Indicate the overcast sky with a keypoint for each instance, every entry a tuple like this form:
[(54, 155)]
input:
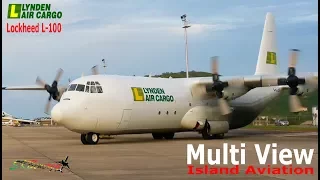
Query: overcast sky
[(142, 36)]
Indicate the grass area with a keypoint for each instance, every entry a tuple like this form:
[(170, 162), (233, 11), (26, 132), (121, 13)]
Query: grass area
[(291, 128), (279, 107), (182, 74)]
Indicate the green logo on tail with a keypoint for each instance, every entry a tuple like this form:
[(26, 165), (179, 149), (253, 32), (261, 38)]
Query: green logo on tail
[(271, 58)]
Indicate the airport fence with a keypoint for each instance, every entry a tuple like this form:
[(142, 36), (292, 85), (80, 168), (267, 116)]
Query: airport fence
[(293, 120)]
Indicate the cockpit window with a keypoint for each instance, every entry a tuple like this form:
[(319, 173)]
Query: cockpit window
[(72, 87), (87, 89), (99, 89), (80, 87), (93, 89)]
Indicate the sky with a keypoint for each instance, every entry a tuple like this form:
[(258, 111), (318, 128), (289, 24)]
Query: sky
[(143, 37)]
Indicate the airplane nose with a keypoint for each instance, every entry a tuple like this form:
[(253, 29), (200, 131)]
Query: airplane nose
[(56, 114)]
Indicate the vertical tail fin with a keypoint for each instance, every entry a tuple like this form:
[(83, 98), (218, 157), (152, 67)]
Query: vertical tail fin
[(267, 60)]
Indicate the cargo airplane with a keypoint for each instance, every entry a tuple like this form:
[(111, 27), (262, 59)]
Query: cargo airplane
[(97, 105), (9, 120)]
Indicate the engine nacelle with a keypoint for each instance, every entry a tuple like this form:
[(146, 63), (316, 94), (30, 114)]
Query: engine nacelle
[(218, 127), (230, 92), (235, 89), (305, 89), (310, 85)]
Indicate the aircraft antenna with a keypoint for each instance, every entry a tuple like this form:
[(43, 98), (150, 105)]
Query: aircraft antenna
[(185, 26), (104, 66)]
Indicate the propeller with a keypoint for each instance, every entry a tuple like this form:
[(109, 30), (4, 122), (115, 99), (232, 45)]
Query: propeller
[(52, 90), (218, 87), (94, 70), (293, 81)]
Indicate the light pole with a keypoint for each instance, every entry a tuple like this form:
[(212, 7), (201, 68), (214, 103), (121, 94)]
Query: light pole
[(185, 26), (104, 66)]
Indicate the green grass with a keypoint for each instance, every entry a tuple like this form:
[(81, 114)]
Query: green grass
[(279, 107), (182, 74), (291, 128)]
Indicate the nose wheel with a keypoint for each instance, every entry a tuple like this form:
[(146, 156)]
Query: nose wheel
[(90, 138)]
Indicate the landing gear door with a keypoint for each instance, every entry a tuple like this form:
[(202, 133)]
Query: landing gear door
[(126, 116)]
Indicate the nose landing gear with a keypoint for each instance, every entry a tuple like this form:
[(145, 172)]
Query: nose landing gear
[(90, 138)]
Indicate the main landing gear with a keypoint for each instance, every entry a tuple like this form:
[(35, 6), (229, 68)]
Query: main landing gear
[(163, 135), (90, 138), (207, 135)]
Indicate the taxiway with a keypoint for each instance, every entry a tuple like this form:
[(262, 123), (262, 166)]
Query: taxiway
[(133, 156)]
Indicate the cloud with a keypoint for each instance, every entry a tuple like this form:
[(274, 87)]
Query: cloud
[(282, 11), (203, 28), (305, 18), (88, 29)]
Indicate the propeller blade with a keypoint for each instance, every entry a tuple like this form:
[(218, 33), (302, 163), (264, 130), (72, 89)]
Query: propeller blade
[(94, 70), (68, 166), (293, 81), (47, 108), (294, 104), (59, 74), (293, 58), (40, 82), (224, 107), (218, 86), (53, 90), (66, 158), (214, 64)]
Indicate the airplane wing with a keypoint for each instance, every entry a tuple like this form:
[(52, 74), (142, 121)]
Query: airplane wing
[(34, 87), (24, 120), (41, 85), (239, 86)]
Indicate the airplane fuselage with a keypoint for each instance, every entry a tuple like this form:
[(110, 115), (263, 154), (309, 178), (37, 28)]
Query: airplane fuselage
[(160, 105)]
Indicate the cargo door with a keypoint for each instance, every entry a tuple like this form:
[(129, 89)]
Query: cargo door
[(126, 116)]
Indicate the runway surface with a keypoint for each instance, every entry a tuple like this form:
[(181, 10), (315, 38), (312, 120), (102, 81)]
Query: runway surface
[(135, 156)]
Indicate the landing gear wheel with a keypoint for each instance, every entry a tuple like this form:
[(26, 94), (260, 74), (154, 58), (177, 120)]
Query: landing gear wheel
[(206, 132), (84, 139), (168, 135), (92, 138), (157, 136)]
